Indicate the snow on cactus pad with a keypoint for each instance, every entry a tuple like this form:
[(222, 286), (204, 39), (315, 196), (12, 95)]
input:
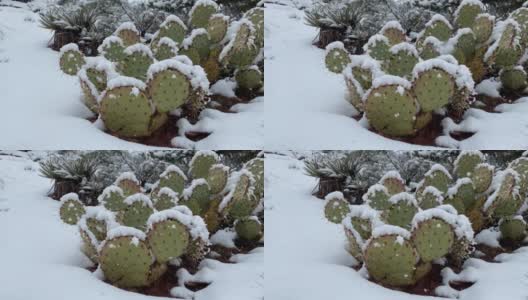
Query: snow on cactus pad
[(336, 207), (167, 236)]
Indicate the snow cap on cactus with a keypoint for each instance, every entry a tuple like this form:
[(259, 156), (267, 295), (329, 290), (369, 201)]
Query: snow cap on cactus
[(195, 224), (496, 184), (173, 19), (126, 176), (463, 79), (126, 26), (336, 57), (460, 223), (141, 198), (403, 197), (195, 74), (173, 169)]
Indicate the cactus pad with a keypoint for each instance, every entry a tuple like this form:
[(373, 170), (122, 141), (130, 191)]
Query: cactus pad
[(433, 239), (354, 244), (172, 28), (391, 110), (71, 59), (520, 165), (249, 229), (197, 197), (336, 208), (483, 27), (89, 245), (164, 198), (71, 210), (201, 13), (137, 214), (337, 58), (249, 78), (125, 261), (168, 239), (89, 95), (217, 27), (513, 229), (256, 16), (256, 167), (378, 47), (402, 61), (168, 89), (433, 89), (201, 162), (400, 214), (394, 33), (466, 14), (173, 178), (439, 28), (113, 49), (377, 197), (217, 178), (466, 162), (136, 62), (514, 78), (113, 198), (482, 176), (431, 197), (391, 260)]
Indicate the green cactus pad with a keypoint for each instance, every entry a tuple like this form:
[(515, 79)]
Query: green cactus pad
[(71, 59), (256, 16), (71, 209), (127, 112), (169, 89), (466, 14), (505, 200), (125, 261), (168, 239), (355, 243), (192, 54), (482, 176), (217, 178), (391, 260), (336, 207), (212, 217), (429, 50), (438, 177), (431, 197), (200, 42), (378, 47), (466, 44), (402, 60), (164, 198), (400, 214), (172, 28), (337, 58), (433, 239), (201, 162), (377, 197), (112, 49), (394, 33), (438, 27), (197, 196), (173, 178), (521, 16), (136, 62), (433, 89), (514, 78), (165, 49), (256, 167), (363, 75), (520, 165), (128, 183), (89, 245), (201, 12), (137, 212), (249, 229), (393, 182), (241, 201), (249, 78), (466, 162), (483, 27), (89, 95), (505, 52), (363, 226), (217, 27), (128, 36), (241, 50), (456, 202), (464, 191), (354, 89), (513, 229), (391, 110), (113, 198)]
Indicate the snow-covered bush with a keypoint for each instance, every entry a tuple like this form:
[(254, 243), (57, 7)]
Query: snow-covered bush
[(133, 235), (400, 85), (134, 86), (400, 231)]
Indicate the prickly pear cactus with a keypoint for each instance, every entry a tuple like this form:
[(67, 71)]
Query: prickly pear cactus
[(201, 12), (467, 12), (167, 237), (394, 32), (165, 49), (139, 208), (256, 167), (113, 198), (483, 27), (172, 28), (112, 48), (128, 183), (431, 197), (241, 202), (378, 47), (402, 210), (520, 166), (336, 207), (513, 229), (391, 260), (136, 61), (89, 245), (439, 28), (433, 89), (505, 200), (125, 258), (71, 59), (466, 162), (128, 33), (71, 209), (249, 229), (377, 197), (164, 198), (433, 238), (201, 162), (391, 109), (217, 178), (173, 178), (337, 57), (196, 197), (217, 27), (393, 182), (463, 191), (256, 16), (168, 87), (402, 60), (355, 243), (438, 177), (482, 176), (249, 78), (514, 78)]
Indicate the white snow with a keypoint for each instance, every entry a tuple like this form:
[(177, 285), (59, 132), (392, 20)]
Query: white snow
[(393, 174), (34, 215), (187, 192), (126, 176), (125, 231), (437, 168), (70, 197), (167, 191), (392, 25), (142, 198), (124, 81), (224, 237), (489, 87), (403, 197), (337, 45), (390, 230), (173, 169), (69, 47), (460, 223), (110, 190), (126, 26), (195, 74), (404, 47), (173, 19), (460, 182), (471, 3), (224, 87), (489, 237)]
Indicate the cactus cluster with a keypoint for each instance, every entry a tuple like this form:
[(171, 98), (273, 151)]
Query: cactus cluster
[(134, 85), (399, 230), (133, 234), (400, 82)]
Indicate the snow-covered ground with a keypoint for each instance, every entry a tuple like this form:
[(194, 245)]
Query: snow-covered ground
[(306, 259), (43, 109), (40, 257), (306, 107)]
